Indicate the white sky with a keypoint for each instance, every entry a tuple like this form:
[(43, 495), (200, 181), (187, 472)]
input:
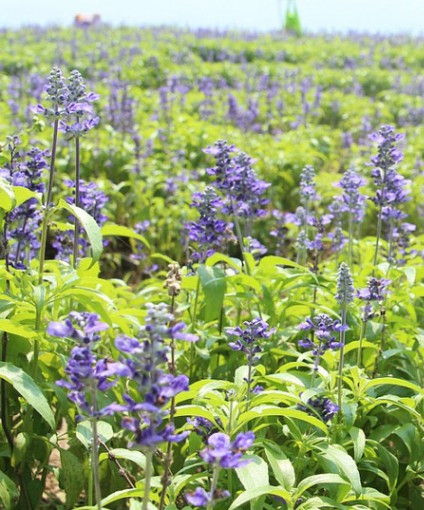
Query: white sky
[(364, 15)]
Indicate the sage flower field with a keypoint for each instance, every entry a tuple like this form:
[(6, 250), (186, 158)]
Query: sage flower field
[(211, 270)]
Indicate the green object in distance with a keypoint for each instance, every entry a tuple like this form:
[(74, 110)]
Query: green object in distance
[(292, 22)]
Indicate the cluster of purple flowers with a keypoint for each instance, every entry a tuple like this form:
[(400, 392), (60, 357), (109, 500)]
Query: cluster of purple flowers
[(235, 177), (221, 452), (242, 196), (92, 200), (24, 169), (209, 232), (86, 374), (69, 100), (247, 338), (121, 107), (325, 408), (391, 189), (141, 362), (352, 201), (376, 290), (307, 185), (322, 328), (345, 290)]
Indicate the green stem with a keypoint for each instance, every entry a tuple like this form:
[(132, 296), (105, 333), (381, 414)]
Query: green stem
[(379, 224), (193, 326), (36, 353), (240, 242), (361, 338), (147, 480), (341, 361), (47, 204), (214, 485), (168, 456), (316, 364), (4, 415), (95, 464), (77, 199), (350, 249)]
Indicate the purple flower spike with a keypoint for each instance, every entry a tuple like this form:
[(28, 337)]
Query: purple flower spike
[(61, 329), (199, 497), (220, 451)]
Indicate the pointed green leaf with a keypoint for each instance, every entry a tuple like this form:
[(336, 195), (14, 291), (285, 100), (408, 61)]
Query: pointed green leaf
[(121, 231), (85, 435), (90, 226), (9, 493), (13, 328), (281, 466), (122, 453), (395, 382), (310, 481), (344, 463), (25, 385), (266, 410), (258, 492), (23, 194), (7, 196), (71, 476), (254, 474), (213, 284)]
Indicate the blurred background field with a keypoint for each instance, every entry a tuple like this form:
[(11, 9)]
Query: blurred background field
[(385, 16)]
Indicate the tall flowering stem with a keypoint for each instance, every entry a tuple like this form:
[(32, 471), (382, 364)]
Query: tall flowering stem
[(86, 376), (322, 330), (344, 296), (79, 108), (47, 204), (389, 184), (173, 284), (58, 94), (307, 196), (247, 341), (141, 363), (353, 203), (375, 291)]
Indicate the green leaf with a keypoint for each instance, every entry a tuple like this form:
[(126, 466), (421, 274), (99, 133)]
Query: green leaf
[(254, 474), (22, 442), (213, 284), (123, 454), (264, 410), (121, 231), (90, 226), (281, 466), (71, 476), (195, 411), (25, 385), (394, 382), (9, 494), (219, 258), (410, 273), (344, 463), (14, 328), (117, 496), (246, 281), (23, 194), (358, 438), (7, 196), (85, 435), (310, 481), (274, 261), (258, 492)]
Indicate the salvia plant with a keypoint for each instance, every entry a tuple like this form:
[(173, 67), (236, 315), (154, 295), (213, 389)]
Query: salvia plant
[(211, 277)]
